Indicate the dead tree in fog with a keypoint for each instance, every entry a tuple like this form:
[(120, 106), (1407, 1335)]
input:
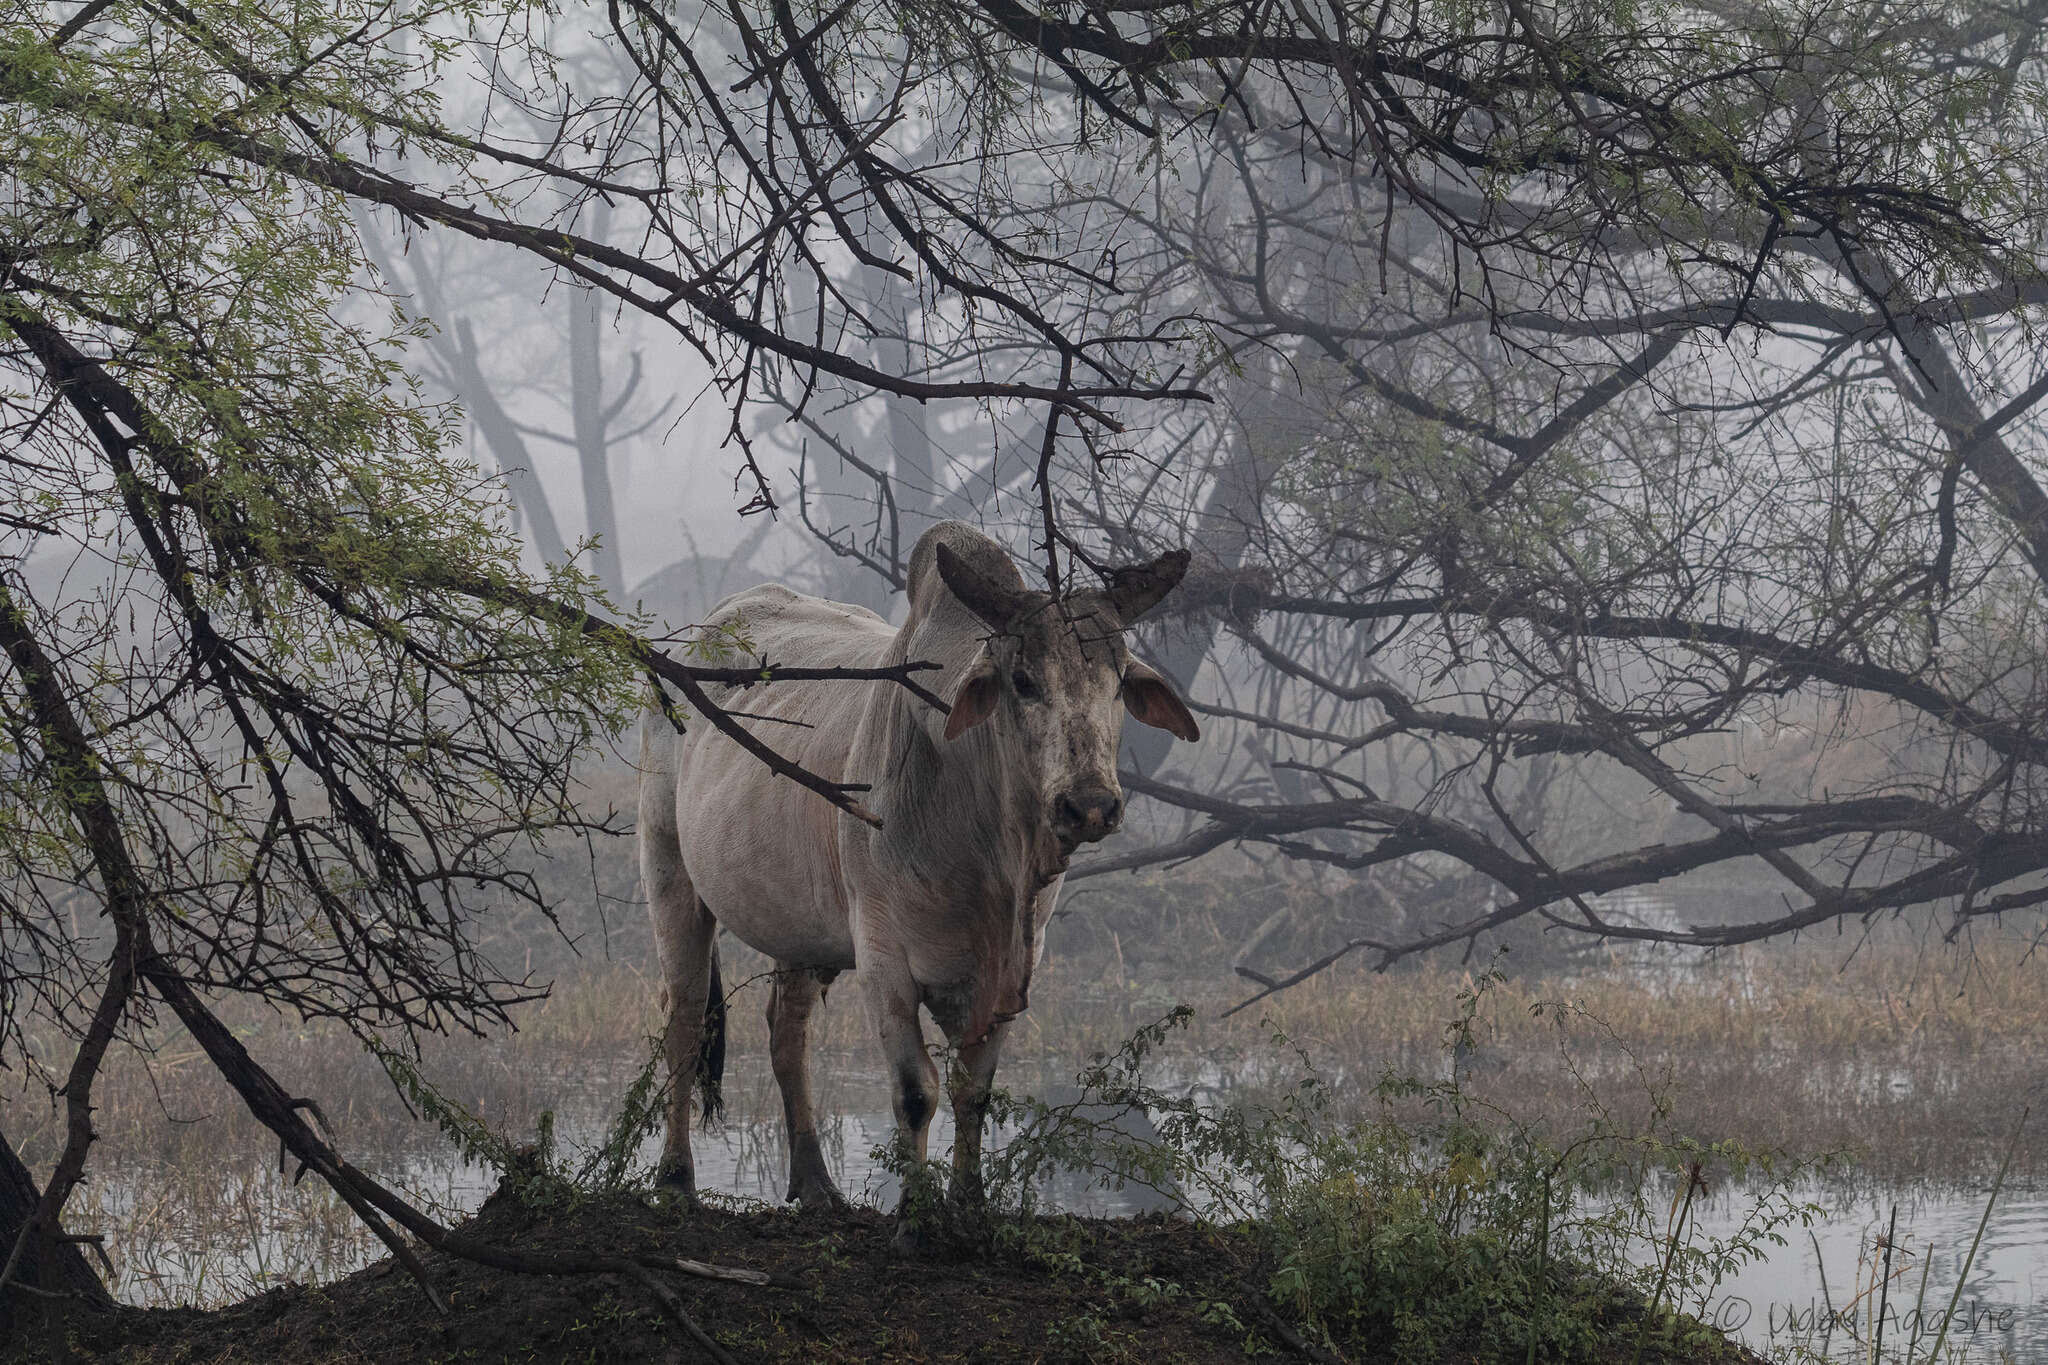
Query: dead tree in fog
[(1563, 600)]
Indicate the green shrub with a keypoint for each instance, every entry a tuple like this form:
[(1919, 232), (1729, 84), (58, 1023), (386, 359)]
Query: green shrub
[(1469, 1231)]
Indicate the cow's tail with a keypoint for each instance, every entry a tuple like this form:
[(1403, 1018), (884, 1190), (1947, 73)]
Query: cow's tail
[(711, 1044)]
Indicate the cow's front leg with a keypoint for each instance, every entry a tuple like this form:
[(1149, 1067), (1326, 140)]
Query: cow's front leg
[(892, 1000), (973, 1076), (795, 993)]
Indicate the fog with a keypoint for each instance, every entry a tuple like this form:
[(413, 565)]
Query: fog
[(1611, 461)]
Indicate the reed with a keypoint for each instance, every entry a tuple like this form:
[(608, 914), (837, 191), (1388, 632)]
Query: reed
[(1948, 1317)]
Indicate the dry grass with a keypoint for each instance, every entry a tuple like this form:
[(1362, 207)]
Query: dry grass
[(1915, 1060), (1903, 1003), (1919, 1061)]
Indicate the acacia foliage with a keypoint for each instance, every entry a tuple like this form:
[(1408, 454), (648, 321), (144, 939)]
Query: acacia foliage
[(230, 521)]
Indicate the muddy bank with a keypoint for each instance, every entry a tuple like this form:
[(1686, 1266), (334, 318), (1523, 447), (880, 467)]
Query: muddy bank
[(1052, 1290)]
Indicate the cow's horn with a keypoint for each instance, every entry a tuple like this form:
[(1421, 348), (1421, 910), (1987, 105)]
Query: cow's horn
[(1136, 588), (996, 604)]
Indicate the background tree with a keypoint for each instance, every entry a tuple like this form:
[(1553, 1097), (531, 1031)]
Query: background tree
[(1583, 513), (1566, 597)]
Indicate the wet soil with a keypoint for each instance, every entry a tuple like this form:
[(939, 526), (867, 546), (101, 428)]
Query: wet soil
[(1059, 1290)]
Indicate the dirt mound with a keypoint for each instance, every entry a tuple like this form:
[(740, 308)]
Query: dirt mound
[(1065, 1289)]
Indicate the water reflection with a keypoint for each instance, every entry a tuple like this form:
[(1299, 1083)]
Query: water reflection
[(1821, 1293), (1811, 1297)]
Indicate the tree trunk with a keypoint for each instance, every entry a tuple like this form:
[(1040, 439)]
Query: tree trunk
[(1271, 421), (593, 446), (501, 434), (65, 1272), (588, 418)]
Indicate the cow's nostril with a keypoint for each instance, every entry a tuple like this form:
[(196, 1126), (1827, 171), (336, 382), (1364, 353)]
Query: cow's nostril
[(1112, 812)]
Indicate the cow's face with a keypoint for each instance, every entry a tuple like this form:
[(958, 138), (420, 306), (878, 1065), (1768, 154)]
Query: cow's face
[(1056, 676)]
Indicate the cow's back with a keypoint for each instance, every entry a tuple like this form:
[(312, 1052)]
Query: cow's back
[(759, 849)]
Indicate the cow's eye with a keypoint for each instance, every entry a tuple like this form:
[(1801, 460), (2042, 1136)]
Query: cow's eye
[(1027, 689)]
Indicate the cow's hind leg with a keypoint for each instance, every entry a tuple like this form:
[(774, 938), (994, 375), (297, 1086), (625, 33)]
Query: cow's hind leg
[(683, 929), (686, 975), (796, 992), (682, 939)]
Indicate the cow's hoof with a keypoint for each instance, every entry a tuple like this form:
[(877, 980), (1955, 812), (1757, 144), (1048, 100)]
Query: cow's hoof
[(818, 1195), (810, 1182), (679, 1183), (967, 1197)]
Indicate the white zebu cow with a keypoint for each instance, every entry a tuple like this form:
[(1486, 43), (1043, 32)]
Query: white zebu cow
[(945, 905)]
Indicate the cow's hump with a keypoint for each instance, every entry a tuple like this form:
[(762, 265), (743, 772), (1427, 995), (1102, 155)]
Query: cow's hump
[(795, 628)]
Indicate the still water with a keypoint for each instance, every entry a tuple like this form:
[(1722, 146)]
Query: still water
[(1814, 1295), (1817, 1296)]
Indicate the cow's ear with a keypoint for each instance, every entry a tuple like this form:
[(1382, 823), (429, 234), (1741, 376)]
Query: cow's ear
[(975, 699), (1152, 700)]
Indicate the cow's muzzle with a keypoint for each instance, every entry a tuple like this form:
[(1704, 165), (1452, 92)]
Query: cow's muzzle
[(1082, 817)]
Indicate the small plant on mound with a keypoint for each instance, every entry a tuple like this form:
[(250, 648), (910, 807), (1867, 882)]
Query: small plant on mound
[(1465, 1232), (538, 1174)]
